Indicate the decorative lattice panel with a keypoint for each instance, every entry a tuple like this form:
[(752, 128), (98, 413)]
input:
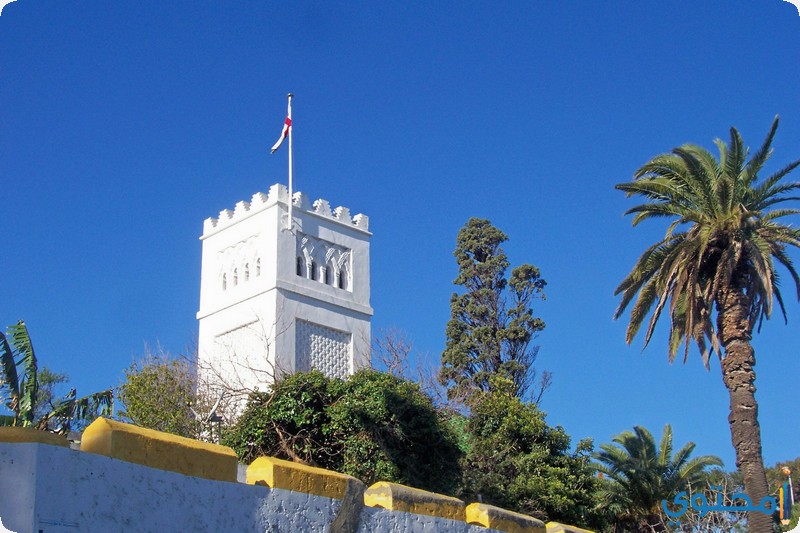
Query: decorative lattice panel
[(322, 348)]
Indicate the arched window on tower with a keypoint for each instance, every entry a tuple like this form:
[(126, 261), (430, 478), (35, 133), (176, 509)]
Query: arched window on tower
[(224, 282), (299, 267), (314, 270), (328, 270), (235, 277), (247, 271), (341, 282)]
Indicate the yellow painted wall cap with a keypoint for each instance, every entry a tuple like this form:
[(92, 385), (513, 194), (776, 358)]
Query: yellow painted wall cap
[(503, 520), (281, 474), (101, 425), (396, 497), (556, 527), (20, 435), (157, 449)]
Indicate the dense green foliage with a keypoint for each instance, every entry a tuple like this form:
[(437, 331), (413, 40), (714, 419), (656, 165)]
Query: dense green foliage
[(714, 272), (518, 462), (492, 323), (157, 393), (27, 404), (638, 475), (373, 426)]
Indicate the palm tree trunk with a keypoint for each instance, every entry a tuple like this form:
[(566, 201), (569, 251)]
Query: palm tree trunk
[(734, 329)]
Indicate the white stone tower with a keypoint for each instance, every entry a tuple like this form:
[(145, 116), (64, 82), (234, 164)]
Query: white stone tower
[(274, 300)]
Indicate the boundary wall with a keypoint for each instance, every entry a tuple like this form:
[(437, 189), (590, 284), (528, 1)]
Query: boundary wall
[(126, 478)]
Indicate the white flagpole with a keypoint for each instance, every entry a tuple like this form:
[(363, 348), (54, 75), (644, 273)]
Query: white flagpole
[(291, 200)]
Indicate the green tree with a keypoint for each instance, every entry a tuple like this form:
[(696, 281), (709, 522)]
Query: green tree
[(777, 476), (158, 393), (518, 462), (373, 426), (23, 399), (715, 268), (492, 322), (640, 475), (47, 395)]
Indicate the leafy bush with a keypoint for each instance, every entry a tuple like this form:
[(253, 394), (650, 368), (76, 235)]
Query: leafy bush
[(373, 426)]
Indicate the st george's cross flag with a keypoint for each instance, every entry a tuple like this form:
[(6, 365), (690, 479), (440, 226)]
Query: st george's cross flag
[(287, 124), (284, 134)]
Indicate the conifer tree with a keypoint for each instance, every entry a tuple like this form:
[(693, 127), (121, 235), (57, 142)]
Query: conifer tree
[(492, 322)]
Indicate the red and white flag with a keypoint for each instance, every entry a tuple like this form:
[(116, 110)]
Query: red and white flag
[(287, 126), (285, 133)]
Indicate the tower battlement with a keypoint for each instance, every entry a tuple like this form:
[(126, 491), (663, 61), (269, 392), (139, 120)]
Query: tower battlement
[(279, 194)]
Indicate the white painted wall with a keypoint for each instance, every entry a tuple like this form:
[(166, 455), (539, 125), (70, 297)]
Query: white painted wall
[(248, 321), (50, 489)]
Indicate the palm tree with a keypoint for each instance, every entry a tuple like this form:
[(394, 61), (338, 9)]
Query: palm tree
[(19, 389), (640, 475), (715, 268)]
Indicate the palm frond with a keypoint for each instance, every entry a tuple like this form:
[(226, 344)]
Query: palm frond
[(649, 262), (783, 259), (25, 358), (646, 211), (778, 213), (781, 306), (665, 452), (10, 379), (760, 157), (70, 410), (771, 187), (737, 154)]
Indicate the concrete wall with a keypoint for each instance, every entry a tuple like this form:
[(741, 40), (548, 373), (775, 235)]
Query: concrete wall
[(46, 488)]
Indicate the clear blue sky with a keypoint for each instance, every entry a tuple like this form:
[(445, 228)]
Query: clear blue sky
[(124, 124)]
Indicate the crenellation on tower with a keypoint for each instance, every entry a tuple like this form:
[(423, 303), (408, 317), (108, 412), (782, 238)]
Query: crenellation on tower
[(342, 214), (241, 208), (258, 199), (361, 221), (279, 193), (209, 224), (300, 200), (323, 207)]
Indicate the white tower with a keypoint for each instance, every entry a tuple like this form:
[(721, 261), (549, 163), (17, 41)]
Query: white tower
[(274, 300)]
